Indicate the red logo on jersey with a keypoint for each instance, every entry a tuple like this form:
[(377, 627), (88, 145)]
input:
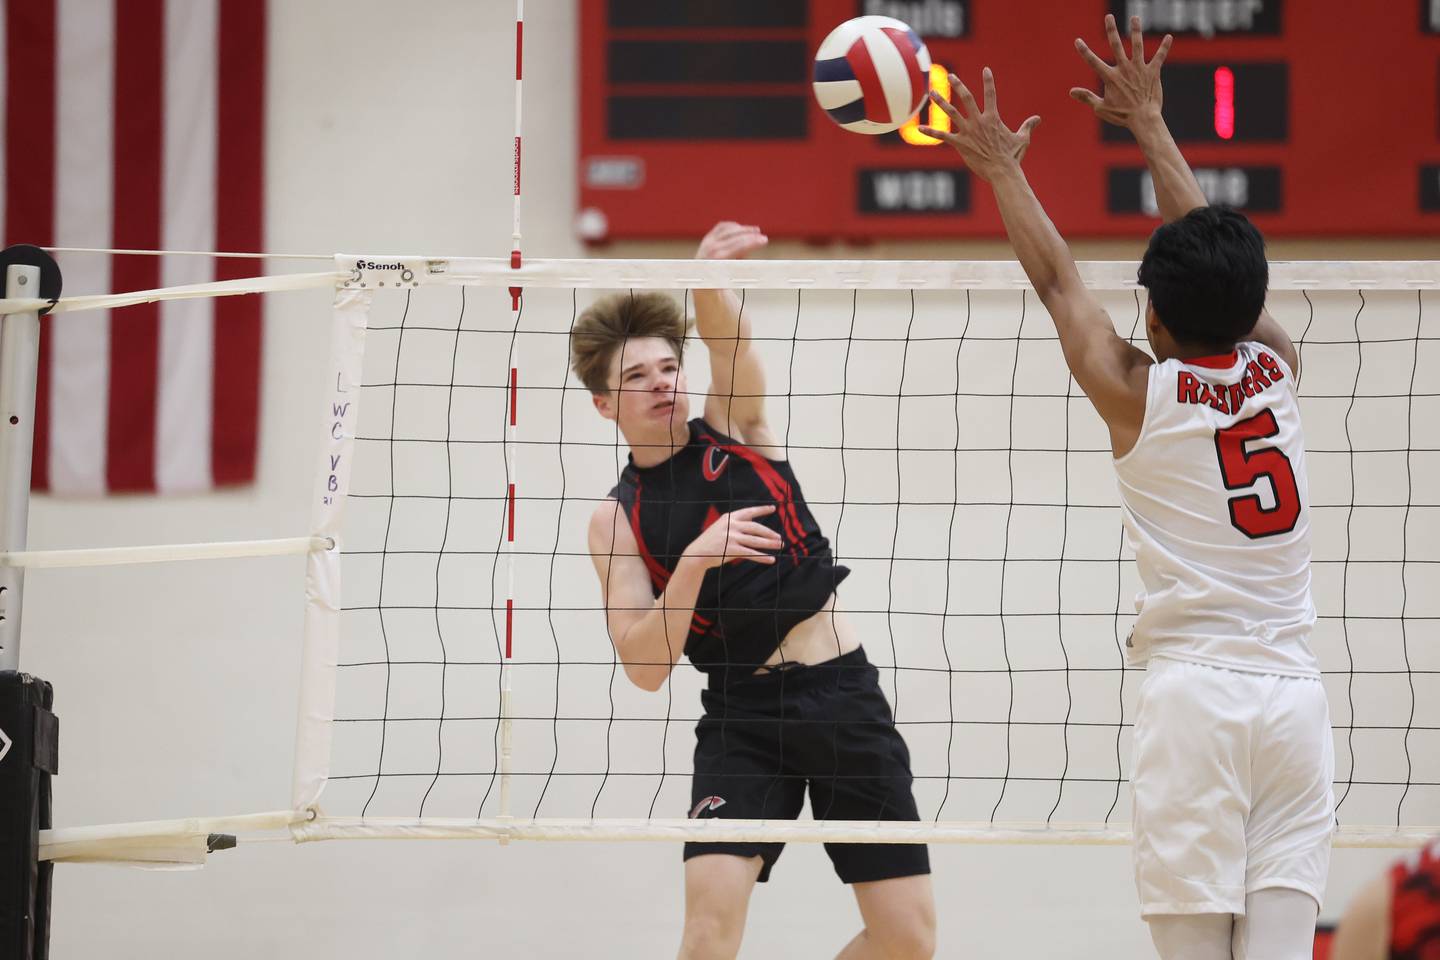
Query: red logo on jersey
[(711, 467), (706, 805)]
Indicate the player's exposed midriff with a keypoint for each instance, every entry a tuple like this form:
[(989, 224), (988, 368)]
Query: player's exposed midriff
[(823, 636)]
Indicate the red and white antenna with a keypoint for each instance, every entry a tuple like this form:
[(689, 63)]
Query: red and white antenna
[(511, 430), (519, 71)]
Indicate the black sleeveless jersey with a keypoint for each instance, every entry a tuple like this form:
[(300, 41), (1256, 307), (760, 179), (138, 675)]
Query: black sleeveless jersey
[(744, 609)]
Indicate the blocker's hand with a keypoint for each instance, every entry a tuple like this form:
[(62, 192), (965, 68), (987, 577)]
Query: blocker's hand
[(736, 535), (1132, 91), (728, 240), (987, 146)]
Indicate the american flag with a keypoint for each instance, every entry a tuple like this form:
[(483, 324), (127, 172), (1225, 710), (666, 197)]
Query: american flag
[(139, 124)]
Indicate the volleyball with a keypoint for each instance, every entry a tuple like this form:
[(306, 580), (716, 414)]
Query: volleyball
[(871, 74)]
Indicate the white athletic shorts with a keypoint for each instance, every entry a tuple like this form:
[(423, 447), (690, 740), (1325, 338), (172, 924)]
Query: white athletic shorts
[(1233, 785)]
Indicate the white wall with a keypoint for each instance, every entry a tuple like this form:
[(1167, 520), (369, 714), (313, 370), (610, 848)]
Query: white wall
[(390, 132)]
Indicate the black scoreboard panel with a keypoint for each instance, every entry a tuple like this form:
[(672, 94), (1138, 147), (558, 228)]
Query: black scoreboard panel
[(1318, 117)]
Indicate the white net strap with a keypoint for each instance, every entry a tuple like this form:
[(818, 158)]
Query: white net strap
[(413, 271), (721, 830)]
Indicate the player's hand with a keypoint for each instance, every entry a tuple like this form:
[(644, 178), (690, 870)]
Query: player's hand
[(736, 535), (730, 241), (1132, 87), (984, 142)]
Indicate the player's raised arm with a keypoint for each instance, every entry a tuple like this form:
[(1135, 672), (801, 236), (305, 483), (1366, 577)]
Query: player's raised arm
[(1113, 374), (1133, 97), (735, 404)]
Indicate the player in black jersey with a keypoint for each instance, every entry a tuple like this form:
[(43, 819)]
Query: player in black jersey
[(706, 547)]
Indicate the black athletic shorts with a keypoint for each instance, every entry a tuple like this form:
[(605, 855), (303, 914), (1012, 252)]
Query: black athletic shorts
[(765, 739)]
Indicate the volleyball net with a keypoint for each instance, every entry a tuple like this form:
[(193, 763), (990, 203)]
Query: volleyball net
[(458, 679)]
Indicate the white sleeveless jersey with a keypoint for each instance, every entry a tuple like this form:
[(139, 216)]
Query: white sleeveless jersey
[(1216, 507)]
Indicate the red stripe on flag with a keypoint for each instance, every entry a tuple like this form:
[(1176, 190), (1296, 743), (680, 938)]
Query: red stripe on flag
[(30, 122), (239, 217), (918, 82), (29, 191), (519, 46), (135, 331), (876, 107)]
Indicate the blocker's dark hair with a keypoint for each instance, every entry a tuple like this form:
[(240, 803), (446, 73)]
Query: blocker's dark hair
[(1207, 276)]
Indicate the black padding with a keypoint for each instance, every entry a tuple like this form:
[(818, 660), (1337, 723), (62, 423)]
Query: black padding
[(29, 751), (25, 253)]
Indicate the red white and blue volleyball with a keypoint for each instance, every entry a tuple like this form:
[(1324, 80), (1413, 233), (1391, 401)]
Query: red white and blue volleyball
[(871, 74)]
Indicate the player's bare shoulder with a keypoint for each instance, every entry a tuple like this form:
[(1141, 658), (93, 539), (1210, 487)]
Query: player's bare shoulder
[(609, 531)]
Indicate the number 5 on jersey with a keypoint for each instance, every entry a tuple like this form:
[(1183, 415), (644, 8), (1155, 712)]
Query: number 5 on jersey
[(1241, 468)]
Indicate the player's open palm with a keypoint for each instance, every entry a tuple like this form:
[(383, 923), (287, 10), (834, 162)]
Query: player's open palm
[(1131, 87), (737, 535), (986, 144), (730, 241)]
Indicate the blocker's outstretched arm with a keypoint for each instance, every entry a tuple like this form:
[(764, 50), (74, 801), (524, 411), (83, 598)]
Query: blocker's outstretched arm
[(1133, 98), (1113, 374)]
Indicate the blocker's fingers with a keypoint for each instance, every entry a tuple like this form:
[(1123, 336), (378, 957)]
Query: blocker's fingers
[(944, 135), (1112, 33), (1087, 97), (1137, 41), (1159, 59), (949, 108), (966, 97), (1099, 66), (992, 99)]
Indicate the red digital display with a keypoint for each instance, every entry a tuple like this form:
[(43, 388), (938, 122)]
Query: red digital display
[(1320, 118)]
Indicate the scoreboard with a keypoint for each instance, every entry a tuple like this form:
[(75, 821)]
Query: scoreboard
[(1316, 117)]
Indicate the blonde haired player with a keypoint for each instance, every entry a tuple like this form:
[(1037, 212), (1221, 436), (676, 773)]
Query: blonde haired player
[(1233, 806), (706, 548)]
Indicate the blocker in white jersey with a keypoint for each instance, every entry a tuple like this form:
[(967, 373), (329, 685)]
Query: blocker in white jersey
[(1216, 507), (1233, 754)]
